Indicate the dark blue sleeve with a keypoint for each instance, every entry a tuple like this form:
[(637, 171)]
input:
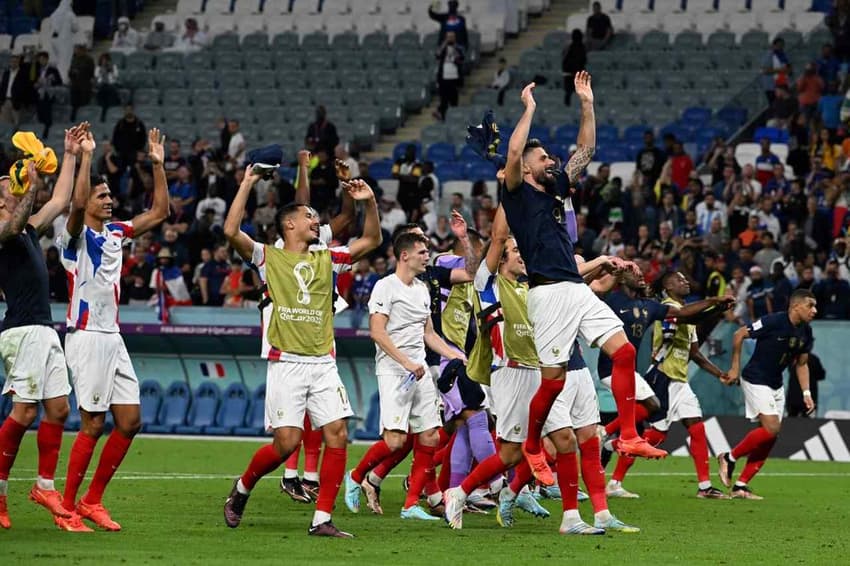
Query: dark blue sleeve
[(562, 184), (443, 275), (206, 270), (764, 325), (657, 311)]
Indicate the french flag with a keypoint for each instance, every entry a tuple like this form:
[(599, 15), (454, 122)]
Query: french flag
[(213, 369)]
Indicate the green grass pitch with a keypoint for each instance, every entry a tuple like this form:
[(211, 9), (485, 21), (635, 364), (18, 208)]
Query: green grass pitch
[(168, 496)]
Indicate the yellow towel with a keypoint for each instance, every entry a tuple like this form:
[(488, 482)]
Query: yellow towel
[(34, 151)]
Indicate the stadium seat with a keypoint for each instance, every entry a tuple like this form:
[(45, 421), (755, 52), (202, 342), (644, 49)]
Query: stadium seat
[(775, 135), (372, 423), (175, 406), (150, 396), (203, 411), (255, 419), (232, 411), (381, 169)]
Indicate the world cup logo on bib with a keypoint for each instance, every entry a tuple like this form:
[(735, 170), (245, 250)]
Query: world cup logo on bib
[(304, 275)]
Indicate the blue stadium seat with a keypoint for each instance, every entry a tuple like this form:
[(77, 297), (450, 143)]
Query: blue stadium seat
[(203, 410), (450, 171), (150, 395), (563, 134), (775, 135), (440, 151), (74, 419), (696, 115), (539, 132), (612, 153), (634, 133), (381, 169), (607, 133), (174, 407), (232, 411), (255, 420), (400, 148), (372, 425), (480, 170), (467, 154), (732, 116)]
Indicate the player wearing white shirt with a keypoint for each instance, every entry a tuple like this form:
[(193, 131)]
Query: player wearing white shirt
[(400, 325), (103, 375)]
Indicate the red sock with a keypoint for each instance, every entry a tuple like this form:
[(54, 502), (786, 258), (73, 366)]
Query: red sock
[(312, 450), (330, 477), (568, 480), (371, 458), (423, 467), (11, 434), (522, 475), (483, 473), (640, 415), (49, 442), (389, 463), (651, 435), (265, 461), (445, 465), (756, 460), (753, 440), (623, 389), (292, 461), (113, 454), (593, 473), (699, 450), (538, 411), (78, 463)]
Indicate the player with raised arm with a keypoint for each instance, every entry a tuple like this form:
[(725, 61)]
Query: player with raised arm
[(302, 375), (560, 305), (782, 338), (101, 369), (30, 347)]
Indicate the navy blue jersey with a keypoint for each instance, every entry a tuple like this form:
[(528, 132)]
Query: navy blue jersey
[(576, 361), (537, 221), (24, 281), (778, 344), (758, 292), (638, 316)]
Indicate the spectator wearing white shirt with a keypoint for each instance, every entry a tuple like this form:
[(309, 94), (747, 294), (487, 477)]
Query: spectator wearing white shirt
[(449, 64), (212, 202), (192, 38), (391, 214), (501, 80), (126, 39), (341, 154), (708, 210), (767, 219), (236, 146)]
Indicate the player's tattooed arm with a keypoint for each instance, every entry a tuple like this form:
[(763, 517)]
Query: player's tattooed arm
[(586, 141), (14, 225), (471, 257)]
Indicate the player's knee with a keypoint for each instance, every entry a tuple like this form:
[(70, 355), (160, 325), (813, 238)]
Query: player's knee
[(24, 413), (773, 427), (336, 434), (395, 440), (130, 428), (429, 437), (510, 453), (564, 440), (57, 412), (92, 425), (625, 355)]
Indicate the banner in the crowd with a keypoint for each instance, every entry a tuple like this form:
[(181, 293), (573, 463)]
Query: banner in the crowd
[(801, 438)]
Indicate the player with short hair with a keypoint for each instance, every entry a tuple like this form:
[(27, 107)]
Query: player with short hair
[(30, 347), (781, 339), (674, 345), (561, 306), (302, 373), (400, 325), (101, 369)]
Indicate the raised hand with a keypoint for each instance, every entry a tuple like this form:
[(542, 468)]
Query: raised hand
[(343, 173), (582, 85), (458, 224), (358, 189), (156, 146), (527, 96), (87, 143), (304, 157), (73, 137), (251, 178)]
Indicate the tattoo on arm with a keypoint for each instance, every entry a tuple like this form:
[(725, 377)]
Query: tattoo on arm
[(579, 162), (19, 218)]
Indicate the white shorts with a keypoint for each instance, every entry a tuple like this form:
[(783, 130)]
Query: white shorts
[(642, 389), (562, 311), (576, 406), (101, 370), (682, 404), (34, 363), (762, 400), (512, 390), (415, 411), (293, 388)]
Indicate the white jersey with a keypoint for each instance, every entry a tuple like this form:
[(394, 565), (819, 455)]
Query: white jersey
[(93, 263), (408, 308)]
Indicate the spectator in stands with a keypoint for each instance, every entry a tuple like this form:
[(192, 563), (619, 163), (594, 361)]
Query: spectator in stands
[(232, 285), (128, 137), (669, 211), (818, 223), (776, 68), (47, 77), (810, 87), (192, 38), (361, 289), (715, 281), (106, 79), (341, 153), (599, 29), (795, 202), (829, 107), (108, 164), (179, 251), (62, 24), (751, 234), (749, 185), (828, 64), (716, 239), (81, 75), (768, 253), (765, 162), (159, 38), (441, 237), (451, 22), (429, 183), (407, 171), (126, 39), (174, 160), (725, 187), (681, 166), (167, 279), (832, 294), (782, 287), (266, 213), (782, 109), (709, 209), (183, 194), (428, 215), (459, 204), (236, 147), (391, 214), (839, 253), (821, 146), (573, 60), (777, 186), (215, 204), (501, 81), (57, 277), (321, 134), (323, 182), (450, 57), (370, 180), (759, 302), (212, 277), (16, 92), (650, 159)]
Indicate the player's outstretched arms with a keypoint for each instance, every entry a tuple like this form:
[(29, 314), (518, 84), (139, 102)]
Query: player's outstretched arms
[(82, 188), (586, 141), (159, 209), (694, 313), (239, 240), (302, 185), (705, 363), (43, 219), (15, 224), (513, 166), (471, 258), (359, 190)]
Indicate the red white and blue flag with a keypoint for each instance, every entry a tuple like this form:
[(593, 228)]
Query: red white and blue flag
[(213, 370)]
